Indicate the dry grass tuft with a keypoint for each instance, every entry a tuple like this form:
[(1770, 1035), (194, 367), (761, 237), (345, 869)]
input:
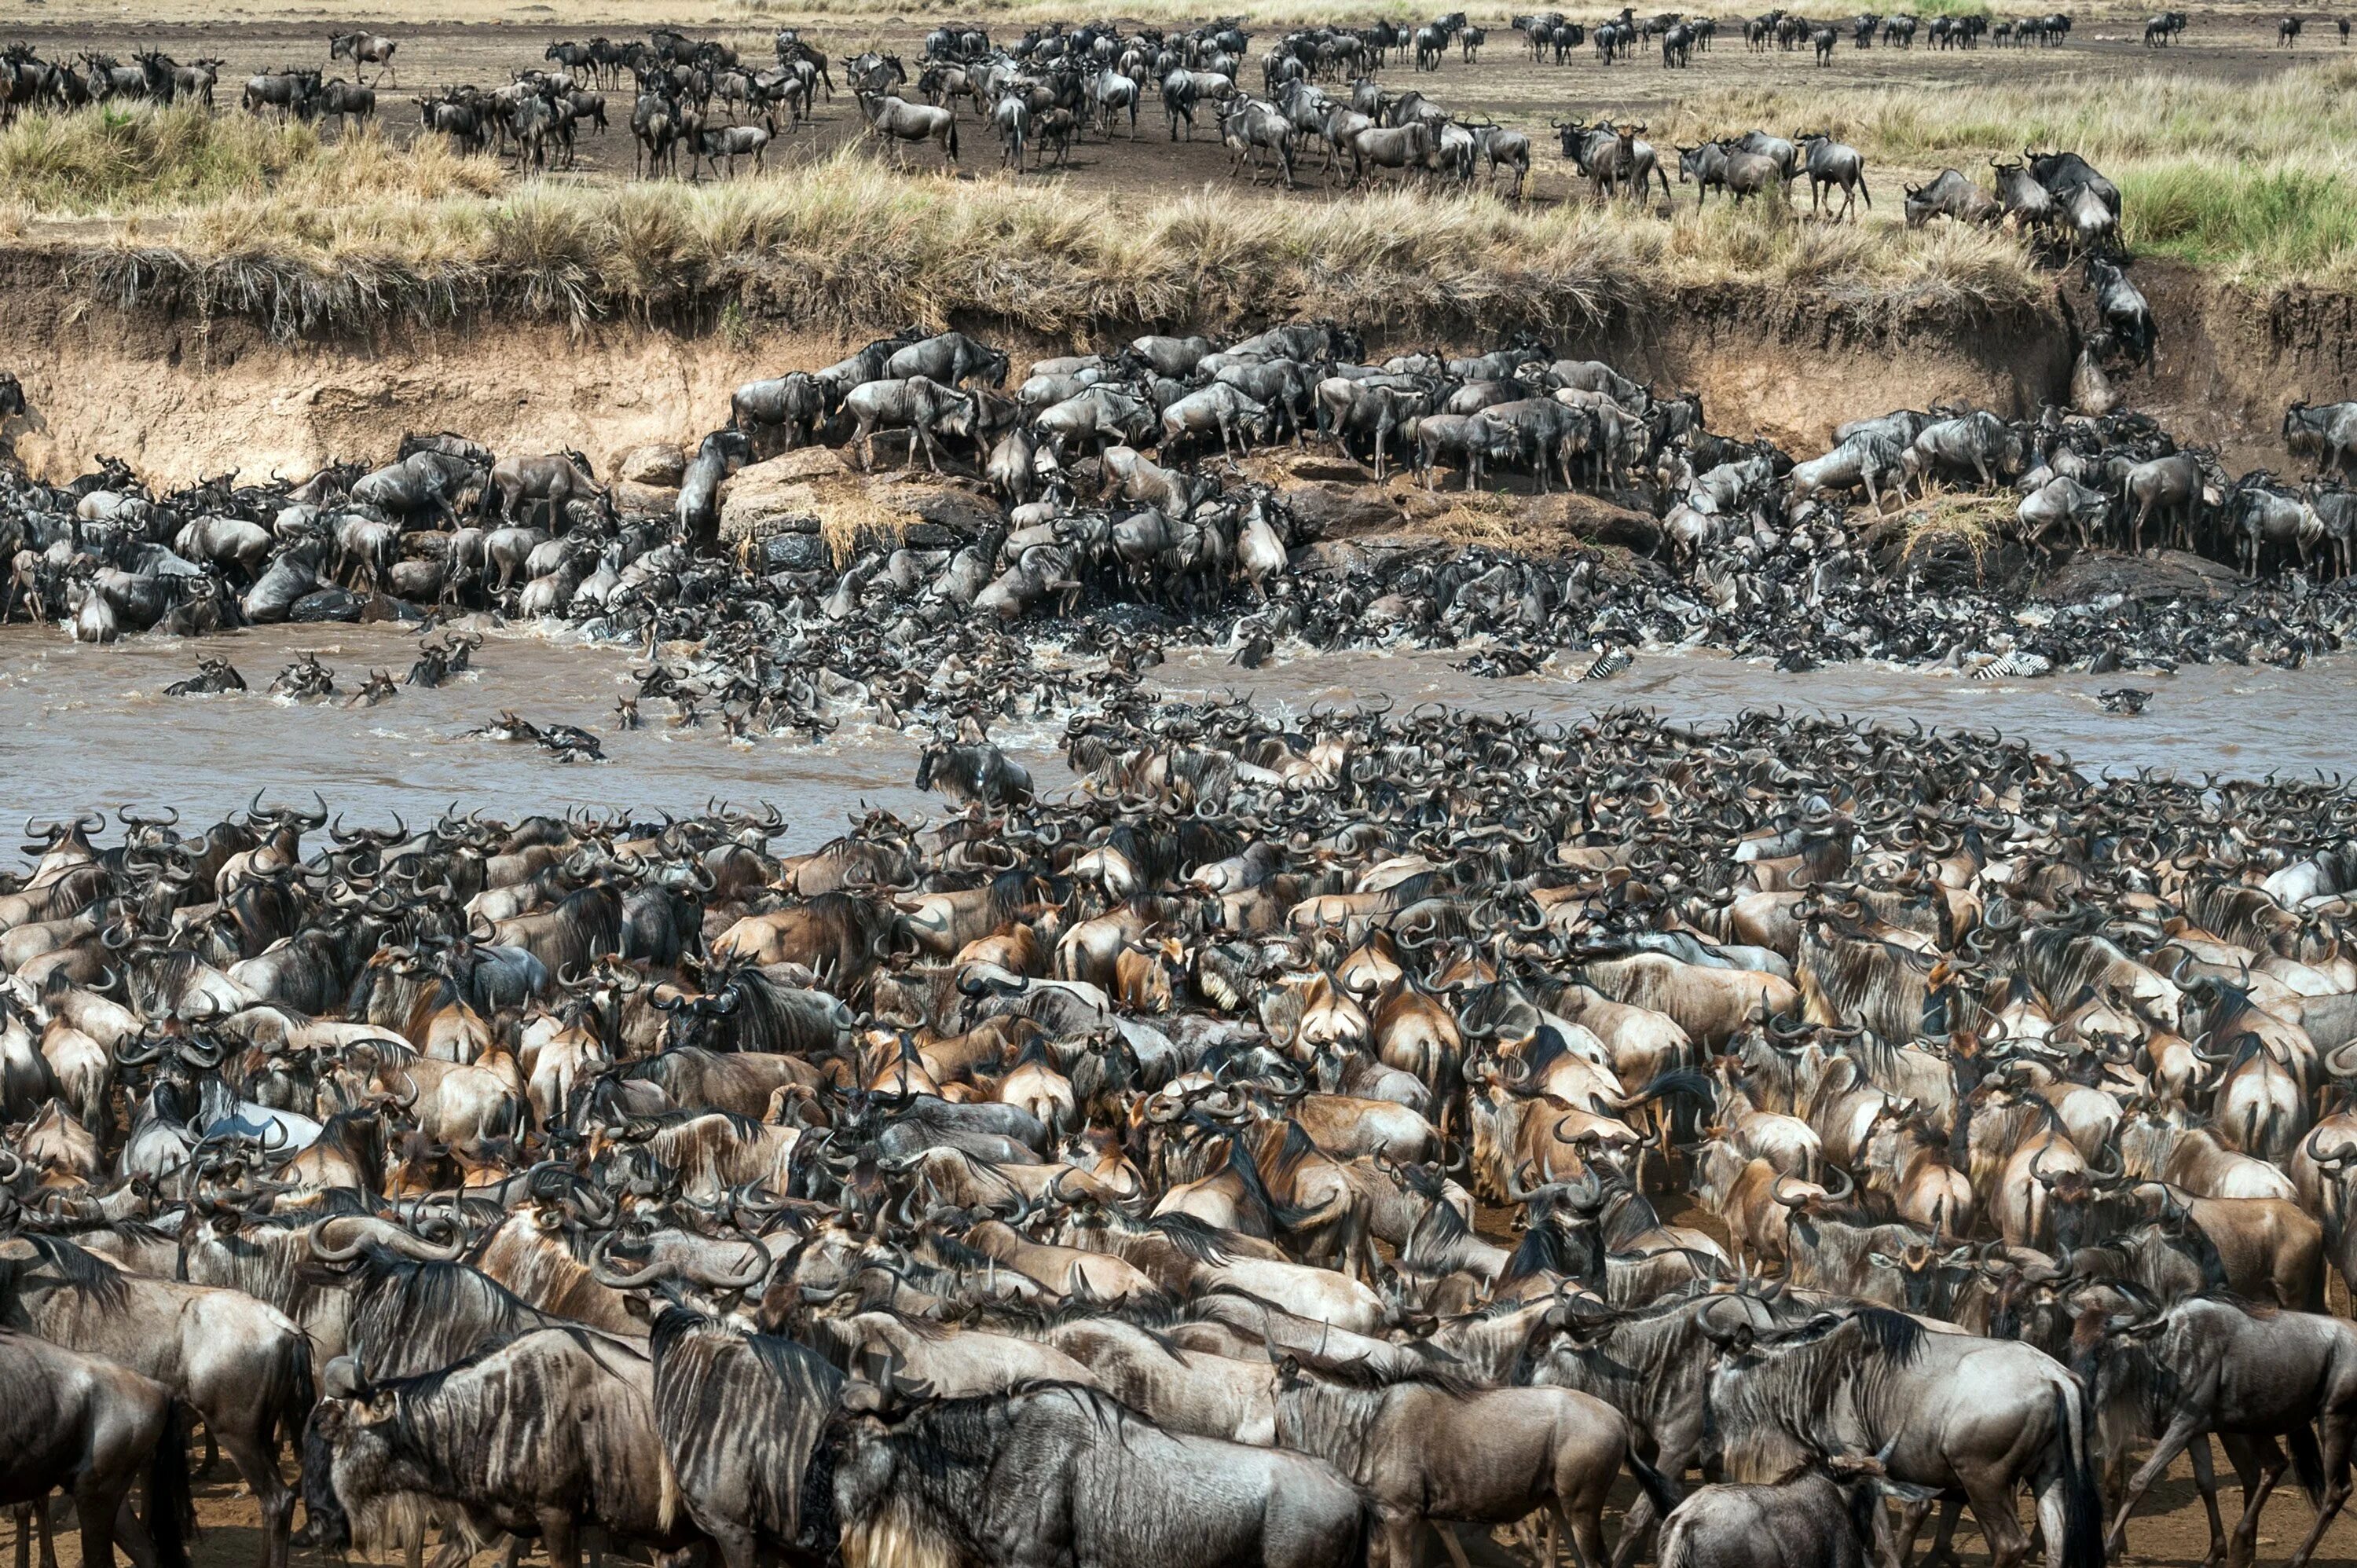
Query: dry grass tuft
[(849, 243)]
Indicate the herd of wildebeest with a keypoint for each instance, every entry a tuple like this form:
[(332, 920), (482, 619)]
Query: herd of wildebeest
[(1109, 491), (1321, 94), (1304, 1135), (1299, 1133)]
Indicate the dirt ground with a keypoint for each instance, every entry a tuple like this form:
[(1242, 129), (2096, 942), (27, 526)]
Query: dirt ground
[(443, 42)]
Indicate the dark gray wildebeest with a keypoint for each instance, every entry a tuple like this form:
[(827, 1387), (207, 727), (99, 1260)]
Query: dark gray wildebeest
[(421, 486), (978, 773), (1870, 460), (923, 407), (2063, 173), (2257, 514), (2163, 29), (366, 48), (1434, 1450), (1373, 408), (1615, 158), (2170, 486), (743, 1417), (1110, 93), (1703, 166), (1541, 433), (1830, 162), (793, 403), (897, 121), (2249, 1374), (339, 99), (2025, 203), (195, 79), (1095, 418), (1978, 444), (1218, 409), (1823, 39), (951, 359), (477, 1437), (1012, 119), (1408, 148), (2120, 303), (1251, 128), (555, 478), (1737, 173), (1283, 386), (719, 455), (2327, 432), (1057, 1474), (1183, 89), (1951, 196), (730, 142), (1497, 148), (1457, 438), (1786, 156), (1828, 1515), (239, 1364), (90, 1428), (2062, 502), (2288, 32), (289, 93), (1946, 1411)]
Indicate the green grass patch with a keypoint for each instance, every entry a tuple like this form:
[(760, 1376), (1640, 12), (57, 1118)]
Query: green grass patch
[(2272, 224)]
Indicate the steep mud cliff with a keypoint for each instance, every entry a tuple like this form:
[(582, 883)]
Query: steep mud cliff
[(180, 394)]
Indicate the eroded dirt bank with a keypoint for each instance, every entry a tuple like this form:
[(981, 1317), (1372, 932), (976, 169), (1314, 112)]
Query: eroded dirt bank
[(180, 395)]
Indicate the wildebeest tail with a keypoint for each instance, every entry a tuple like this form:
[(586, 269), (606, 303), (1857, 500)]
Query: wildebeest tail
[(168, 1502), (291, 1380), (1656, 1486), (953, 147), (2306, 1463), (2082, 1500)]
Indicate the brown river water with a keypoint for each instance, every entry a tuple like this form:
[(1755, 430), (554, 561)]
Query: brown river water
[(84, 727)]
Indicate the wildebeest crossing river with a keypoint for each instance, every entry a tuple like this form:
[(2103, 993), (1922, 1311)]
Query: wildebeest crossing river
[(84, 727)]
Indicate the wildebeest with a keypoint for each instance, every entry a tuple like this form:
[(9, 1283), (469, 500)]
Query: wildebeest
[(366, 48), (1830, 162), (898, 120), (1063, 1473)]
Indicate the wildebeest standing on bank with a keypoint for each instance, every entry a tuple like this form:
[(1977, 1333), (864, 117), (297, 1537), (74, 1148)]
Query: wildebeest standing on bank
[(897, 120), (1060, 1474)]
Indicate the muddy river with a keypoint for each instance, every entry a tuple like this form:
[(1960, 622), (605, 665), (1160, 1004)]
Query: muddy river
[(85, 727)]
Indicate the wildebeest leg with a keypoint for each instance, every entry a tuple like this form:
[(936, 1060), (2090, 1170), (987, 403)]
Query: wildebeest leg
[(557, 1538), (2334, 1431), (256, 1461), (2205, 1481), (1395, 1546), (2259, 1464), (97, 1530), (1456, 1548), (2182, 1430), (1993, 1511)]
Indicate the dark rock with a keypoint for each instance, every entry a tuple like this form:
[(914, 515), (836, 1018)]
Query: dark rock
[(1334, 510), (2161, 575)]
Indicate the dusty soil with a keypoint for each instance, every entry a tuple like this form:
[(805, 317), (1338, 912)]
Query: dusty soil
[(439, 48)]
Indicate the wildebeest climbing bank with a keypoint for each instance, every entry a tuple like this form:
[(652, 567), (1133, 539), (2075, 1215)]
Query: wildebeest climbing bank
[(1037, 789)]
